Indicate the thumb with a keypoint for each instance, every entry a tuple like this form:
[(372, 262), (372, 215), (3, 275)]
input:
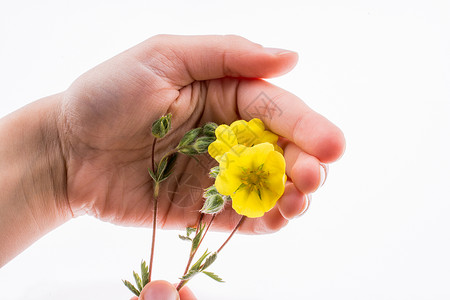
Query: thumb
[(184, 59), (159, 290)]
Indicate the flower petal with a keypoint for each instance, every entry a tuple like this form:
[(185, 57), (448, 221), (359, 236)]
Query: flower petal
[(247, 203)]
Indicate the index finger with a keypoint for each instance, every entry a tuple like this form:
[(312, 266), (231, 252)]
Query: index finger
[(287, 115)]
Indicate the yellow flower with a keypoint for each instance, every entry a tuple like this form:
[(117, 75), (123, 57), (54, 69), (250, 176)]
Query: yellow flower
[(254, 178), (241, 133)]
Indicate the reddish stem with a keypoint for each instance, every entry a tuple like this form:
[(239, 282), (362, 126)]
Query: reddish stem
[(232, 233)]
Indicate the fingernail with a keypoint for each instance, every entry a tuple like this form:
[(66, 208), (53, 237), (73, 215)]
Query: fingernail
[(160, 290), (308, 199), (277, 51), (323, 173)]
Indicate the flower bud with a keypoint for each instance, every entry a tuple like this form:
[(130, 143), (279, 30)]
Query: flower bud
[(162, 126), (189, 137), (210, 191), (202, 144), (213, 204), (188, 150), (209, 129), (214, 172)]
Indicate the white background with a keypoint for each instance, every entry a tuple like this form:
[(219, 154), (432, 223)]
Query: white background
[(378, 229)]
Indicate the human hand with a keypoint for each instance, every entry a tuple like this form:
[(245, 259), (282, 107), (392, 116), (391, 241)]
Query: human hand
[(163, 290), (106, 115)]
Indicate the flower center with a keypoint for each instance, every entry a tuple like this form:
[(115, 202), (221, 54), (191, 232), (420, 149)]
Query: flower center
[(254, 179)]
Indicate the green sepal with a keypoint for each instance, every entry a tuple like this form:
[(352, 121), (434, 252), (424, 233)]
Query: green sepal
[(213, 276), (131, 287)]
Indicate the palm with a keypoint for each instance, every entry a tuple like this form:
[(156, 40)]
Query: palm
[(108, 144)]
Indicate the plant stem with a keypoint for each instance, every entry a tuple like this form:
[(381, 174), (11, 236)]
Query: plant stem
[(192, 253), (155, 210), (153, 155), (232, 233)]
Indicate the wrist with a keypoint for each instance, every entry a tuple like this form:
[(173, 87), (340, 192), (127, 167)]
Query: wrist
[(33, 177)]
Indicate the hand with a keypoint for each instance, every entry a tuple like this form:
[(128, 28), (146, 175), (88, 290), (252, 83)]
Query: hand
[(163, 290), (106, 115)]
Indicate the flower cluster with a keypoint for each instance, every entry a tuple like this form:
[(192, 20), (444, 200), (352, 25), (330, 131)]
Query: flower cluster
[(251, 167)]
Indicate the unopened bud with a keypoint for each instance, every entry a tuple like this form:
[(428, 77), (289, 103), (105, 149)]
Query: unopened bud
[(214, 172), (202, 144), (213, 204), (189, 137), (209, 129), (210, 191), (162, 126), (188, 150)]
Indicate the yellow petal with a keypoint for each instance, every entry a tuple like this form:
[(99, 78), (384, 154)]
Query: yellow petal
[(226, 139), (256, 124), (246, 134), (247, 203), (258, 154), (268, 136)]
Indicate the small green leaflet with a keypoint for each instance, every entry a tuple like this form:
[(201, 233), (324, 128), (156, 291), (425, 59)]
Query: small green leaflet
[(131, 287), (138, 280), (144, 273), (213, 276), (184, 238)]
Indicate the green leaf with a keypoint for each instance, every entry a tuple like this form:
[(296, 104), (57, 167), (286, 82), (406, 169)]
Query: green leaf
[(209, 260), (190, 230), (198, 263), (152, 175), (196, 240), (169, 167), (131, 287), (213, 276), (184, 238), (189, 275), (144, 273), (138, 280), (161, 167)]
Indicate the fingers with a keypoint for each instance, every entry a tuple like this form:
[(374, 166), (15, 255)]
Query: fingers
[(288, 116), (184, 59), (163, 290), (293, 203), (305, 170), (159, 290)]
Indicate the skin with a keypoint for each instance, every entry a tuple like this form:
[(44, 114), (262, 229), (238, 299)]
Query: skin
[(87, 149)]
